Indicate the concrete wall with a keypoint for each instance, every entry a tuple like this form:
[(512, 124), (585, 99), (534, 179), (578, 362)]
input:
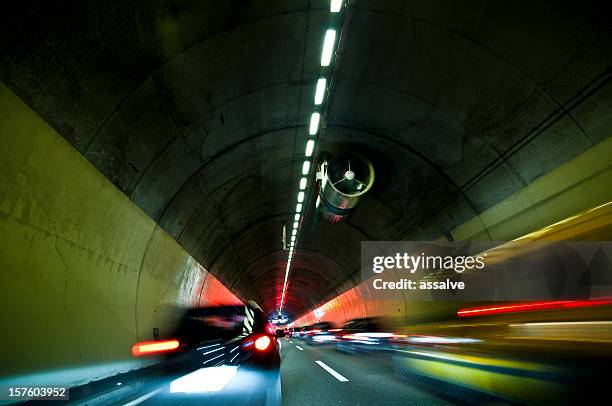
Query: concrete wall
[(83, 272), (580, 184)]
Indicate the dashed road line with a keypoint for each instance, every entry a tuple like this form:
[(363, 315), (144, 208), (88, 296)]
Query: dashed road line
[(331, 371)]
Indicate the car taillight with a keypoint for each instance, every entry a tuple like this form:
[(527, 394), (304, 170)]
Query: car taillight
[(262, 343), (154, 347)]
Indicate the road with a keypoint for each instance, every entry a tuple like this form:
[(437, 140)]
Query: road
[(309, 375), (368, 379)]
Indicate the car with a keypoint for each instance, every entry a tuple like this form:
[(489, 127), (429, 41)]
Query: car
[(217, 347), (363, 335), (321, 333), (302, 331), (308, 331)]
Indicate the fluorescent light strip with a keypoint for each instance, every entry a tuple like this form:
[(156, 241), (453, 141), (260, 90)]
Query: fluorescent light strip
[(328, 47), (320, 91), (309, 148), (315, 119), (327, 53), (335, 6)]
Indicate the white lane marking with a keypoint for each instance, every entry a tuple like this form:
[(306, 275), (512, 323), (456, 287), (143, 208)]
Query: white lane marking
[(332, 372), (291, 341), (280, 345), (299, 348), (141, 399)]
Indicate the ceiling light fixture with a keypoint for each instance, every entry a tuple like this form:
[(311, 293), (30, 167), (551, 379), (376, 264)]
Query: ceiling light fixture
[(320, 91), (328, 47), (335, 6), (314, 123), (309, 148)]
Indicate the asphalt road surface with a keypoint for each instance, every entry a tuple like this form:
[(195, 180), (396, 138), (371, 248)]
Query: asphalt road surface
[(309, 375), (320, 375)]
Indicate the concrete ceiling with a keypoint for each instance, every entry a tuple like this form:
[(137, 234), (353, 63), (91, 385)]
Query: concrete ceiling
[(197, 111)]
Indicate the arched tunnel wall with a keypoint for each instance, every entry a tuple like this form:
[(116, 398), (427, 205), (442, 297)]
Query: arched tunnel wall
[(580, 184), (84, 273)]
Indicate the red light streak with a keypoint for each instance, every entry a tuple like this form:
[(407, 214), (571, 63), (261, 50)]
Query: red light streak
[(531, 306), (154, 347)]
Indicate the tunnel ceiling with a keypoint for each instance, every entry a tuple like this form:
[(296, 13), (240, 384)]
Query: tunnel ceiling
[(197, 111)]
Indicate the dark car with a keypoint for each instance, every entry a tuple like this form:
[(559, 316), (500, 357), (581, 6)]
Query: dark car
[(303, 331), (231, 347), (242, 332), (364, 335), (320, 334)]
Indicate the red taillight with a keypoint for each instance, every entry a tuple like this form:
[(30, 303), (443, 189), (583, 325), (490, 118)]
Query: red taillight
[(262, 343), (269, 329), (154, 347), (532, 306)]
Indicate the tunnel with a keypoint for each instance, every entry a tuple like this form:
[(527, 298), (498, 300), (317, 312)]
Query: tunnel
[(170, 155)]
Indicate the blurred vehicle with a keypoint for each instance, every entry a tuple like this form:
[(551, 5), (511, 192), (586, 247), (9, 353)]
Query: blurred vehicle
[(554, 351), (303, 332), (321, 333), (232, 347), (364, 335)]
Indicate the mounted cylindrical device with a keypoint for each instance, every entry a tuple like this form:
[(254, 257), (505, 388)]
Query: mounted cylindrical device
[(344, 180)]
